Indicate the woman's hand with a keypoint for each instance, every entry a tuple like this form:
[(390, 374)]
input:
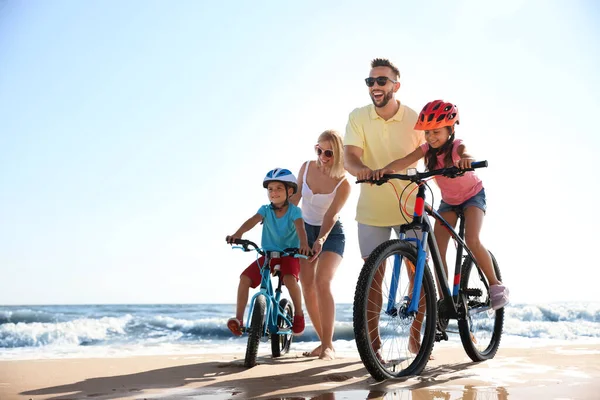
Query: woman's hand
[(317, 248)]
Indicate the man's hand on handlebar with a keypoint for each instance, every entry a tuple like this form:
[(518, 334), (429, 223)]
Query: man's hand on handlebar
[(364, 173)]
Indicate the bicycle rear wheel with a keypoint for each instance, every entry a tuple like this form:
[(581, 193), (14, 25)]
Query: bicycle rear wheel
[(280, 343), (256, 330), (481, 329), (390, 342)]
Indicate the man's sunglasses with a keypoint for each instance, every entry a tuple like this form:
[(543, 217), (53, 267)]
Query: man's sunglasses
[(381, 81), (328, 153)]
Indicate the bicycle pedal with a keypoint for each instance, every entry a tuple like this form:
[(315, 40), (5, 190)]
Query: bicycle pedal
[(439, 336), (473, 292)]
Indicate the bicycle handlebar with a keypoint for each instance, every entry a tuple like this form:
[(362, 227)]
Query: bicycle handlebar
[(450, 172), (246, 244)]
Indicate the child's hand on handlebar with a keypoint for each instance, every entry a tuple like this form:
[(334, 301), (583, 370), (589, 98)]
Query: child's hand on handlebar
[(231, 238), (304, 249), (464, 163), (378, 173)]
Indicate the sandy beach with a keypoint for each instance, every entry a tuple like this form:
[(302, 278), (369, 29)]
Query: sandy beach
[(551, 372)]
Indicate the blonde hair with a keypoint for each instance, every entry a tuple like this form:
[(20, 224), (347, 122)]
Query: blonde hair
[(337, 169)]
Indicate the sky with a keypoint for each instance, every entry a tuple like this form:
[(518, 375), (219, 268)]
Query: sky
[(134, 135)]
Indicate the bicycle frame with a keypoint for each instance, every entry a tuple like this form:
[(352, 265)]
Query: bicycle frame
[(450, 302), (273, 297)]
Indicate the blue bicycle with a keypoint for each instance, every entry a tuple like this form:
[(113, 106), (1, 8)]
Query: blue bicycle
[(270, 315)]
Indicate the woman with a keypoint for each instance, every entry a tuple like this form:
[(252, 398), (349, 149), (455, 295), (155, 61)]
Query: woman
[(324, 190)]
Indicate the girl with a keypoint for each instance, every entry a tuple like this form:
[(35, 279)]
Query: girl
[(464, 193)]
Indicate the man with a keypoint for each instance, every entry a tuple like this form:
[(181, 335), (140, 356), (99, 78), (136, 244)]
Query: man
[(376, 135)]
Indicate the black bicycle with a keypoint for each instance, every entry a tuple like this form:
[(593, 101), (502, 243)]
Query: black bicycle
[(397, 314)]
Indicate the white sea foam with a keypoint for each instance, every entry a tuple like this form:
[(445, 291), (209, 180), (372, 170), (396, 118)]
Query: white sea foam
[(104, 330)]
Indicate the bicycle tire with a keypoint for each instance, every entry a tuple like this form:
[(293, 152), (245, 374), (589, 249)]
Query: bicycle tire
[(280, 343), (399, 325), (255, 330), (480, 333)]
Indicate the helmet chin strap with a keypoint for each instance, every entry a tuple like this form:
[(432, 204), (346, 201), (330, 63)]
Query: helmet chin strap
[(274, 207), (287, 196)]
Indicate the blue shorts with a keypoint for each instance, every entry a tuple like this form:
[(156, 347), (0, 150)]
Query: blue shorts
[(476, 201), (335, 242)]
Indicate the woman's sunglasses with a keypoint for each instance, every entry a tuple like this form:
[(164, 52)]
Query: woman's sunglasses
[(328, 153), (381, 81)]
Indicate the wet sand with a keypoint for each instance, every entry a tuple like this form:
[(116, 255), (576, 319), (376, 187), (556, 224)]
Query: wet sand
[(551, 372)]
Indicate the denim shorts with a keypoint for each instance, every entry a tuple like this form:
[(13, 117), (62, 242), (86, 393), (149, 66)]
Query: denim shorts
[(477, 201), (335, 242)]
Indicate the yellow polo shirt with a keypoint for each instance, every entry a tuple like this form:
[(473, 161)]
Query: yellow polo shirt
[(383, 142)]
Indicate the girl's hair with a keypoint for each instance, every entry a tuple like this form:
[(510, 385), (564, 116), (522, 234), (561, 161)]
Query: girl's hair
[(432, 154), (337, 169)]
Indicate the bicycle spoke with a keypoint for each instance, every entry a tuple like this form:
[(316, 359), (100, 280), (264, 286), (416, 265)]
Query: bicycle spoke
[(388, 329), (481, 330)]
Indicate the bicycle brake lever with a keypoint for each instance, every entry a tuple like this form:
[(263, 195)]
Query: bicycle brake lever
[(243, 247), (453, 172)]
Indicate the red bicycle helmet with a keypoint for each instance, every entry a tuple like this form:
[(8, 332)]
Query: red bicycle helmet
[(437, 114)]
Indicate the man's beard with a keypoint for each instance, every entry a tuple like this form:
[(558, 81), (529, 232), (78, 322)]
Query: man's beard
[(386, 98)]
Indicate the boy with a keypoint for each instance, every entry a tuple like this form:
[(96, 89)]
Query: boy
[(283, 227)]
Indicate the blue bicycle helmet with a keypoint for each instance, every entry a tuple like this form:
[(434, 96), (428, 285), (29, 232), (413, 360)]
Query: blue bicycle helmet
[(281, 175)]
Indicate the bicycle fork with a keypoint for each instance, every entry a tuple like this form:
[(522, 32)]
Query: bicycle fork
[(417, 278)]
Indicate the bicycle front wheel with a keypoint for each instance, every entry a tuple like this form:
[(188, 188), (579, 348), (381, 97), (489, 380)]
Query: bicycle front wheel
[(390, 342), (481, 329), (256, 330)]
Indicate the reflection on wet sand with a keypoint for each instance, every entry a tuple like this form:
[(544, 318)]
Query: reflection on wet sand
[(469, 392)]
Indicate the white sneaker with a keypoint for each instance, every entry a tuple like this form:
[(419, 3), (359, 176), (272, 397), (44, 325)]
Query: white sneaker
[(499, 295)]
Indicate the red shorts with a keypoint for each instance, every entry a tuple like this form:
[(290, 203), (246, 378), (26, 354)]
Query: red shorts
[(289, 266)]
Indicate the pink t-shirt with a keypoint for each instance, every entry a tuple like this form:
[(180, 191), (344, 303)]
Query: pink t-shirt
[(455, 191)]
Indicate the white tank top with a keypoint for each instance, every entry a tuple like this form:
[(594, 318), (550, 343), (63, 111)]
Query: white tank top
[(314, 206)]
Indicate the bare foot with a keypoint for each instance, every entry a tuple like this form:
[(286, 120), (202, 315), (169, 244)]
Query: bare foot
[(414, 346), (315, 353), (327, 354), (379, 357)]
